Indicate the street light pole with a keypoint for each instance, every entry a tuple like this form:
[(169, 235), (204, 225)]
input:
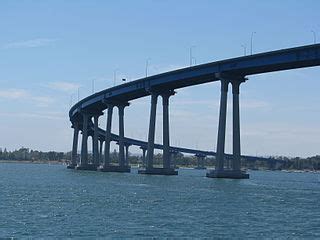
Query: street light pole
[(314, 37), (71, 100), (252, 40), (190, 53), (92, 85), (147, 65), (244, 46), (114, 76)]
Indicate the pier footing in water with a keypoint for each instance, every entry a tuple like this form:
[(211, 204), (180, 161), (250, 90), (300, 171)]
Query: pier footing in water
[(115, 169), (88, 167), (158, 171), (227, 174)]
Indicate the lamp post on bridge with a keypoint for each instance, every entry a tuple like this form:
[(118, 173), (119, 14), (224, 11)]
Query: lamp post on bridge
[(190, 54), (244, 46), (314, 37), (71, 100), (251, 42), (115, 76), (92, 86), (147, 66)]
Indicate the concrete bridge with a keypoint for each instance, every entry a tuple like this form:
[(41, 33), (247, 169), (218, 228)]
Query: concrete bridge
[(85, 114)]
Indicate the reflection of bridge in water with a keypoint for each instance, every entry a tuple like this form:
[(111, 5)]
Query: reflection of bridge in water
[(85, 114)]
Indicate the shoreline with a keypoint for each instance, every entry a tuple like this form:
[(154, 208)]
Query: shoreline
[(136, 166), (34, 162)]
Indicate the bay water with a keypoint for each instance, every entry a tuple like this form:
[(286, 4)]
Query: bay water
[(50, 201)]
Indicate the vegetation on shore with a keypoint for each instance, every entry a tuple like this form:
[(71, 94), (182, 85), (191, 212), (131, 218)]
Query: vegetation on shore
[(276, 163)]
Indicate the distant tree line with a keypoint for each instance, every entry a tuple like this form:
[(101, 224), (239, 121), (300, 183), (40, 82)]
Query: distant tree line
[(178, 159), (25, 154)]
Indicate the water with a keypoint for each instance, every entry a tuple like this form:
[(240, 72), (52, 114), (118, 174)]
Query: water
[(43, 201)]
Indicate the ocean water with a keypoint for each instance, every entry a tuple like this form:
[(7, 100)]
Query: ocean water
[(50, 201)]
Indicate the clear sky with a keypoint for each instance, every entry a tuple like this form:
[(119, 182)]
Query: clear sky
[(49, 49)]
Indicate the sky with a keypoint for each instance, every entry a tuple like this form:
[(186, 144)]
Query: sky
[(52, 50)]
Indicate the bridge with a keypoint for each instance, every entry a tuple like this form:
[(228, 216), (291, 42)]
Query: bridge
[(85, 114)]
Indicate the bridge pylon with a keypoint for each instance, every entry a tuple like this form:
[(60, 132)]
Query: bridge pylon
[(123, 157), (166, 169), (220, 170), (84, 161)]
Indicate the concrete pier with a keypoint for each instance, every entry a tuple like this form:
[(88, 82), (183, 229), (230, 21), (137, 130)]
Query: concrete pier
[(222, 126), (236, 126), (121, 135), (143, 156), (84, 144), (166, 170), (108, 137), (174, 159), (127, 154), (200, 161), (123, 155), (101, 152), (84, 165), (96, 140), (166, 137), (221, 171), (74, 154), (152, 129)]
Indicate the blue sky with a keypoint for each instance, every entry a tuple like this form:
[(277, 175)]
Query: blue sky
[(49, 49)]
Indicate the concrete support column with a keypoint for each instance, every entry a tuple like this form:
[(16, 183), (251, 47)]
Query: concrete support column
[(166, 137), (84, 145), (200, 161), (152, 126), (235, 171), (143, 157), (96, 140), (127, 155), (75, 144), (100, 151), (121, 135), (174, 160), (236, 126), (108, 137), (222, 125)]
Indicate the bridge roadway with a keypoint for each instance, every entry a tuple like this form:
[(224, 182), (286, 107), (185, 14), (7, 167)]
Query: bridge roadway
[(231, 71), (144, 145), (200, 154)]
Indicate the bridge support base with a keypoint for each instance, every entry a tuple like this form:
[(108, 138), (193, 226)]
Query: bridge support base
[(71, 166), (227, 174), (88, 167), (115, 169), (158, 171), (200, 168)]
